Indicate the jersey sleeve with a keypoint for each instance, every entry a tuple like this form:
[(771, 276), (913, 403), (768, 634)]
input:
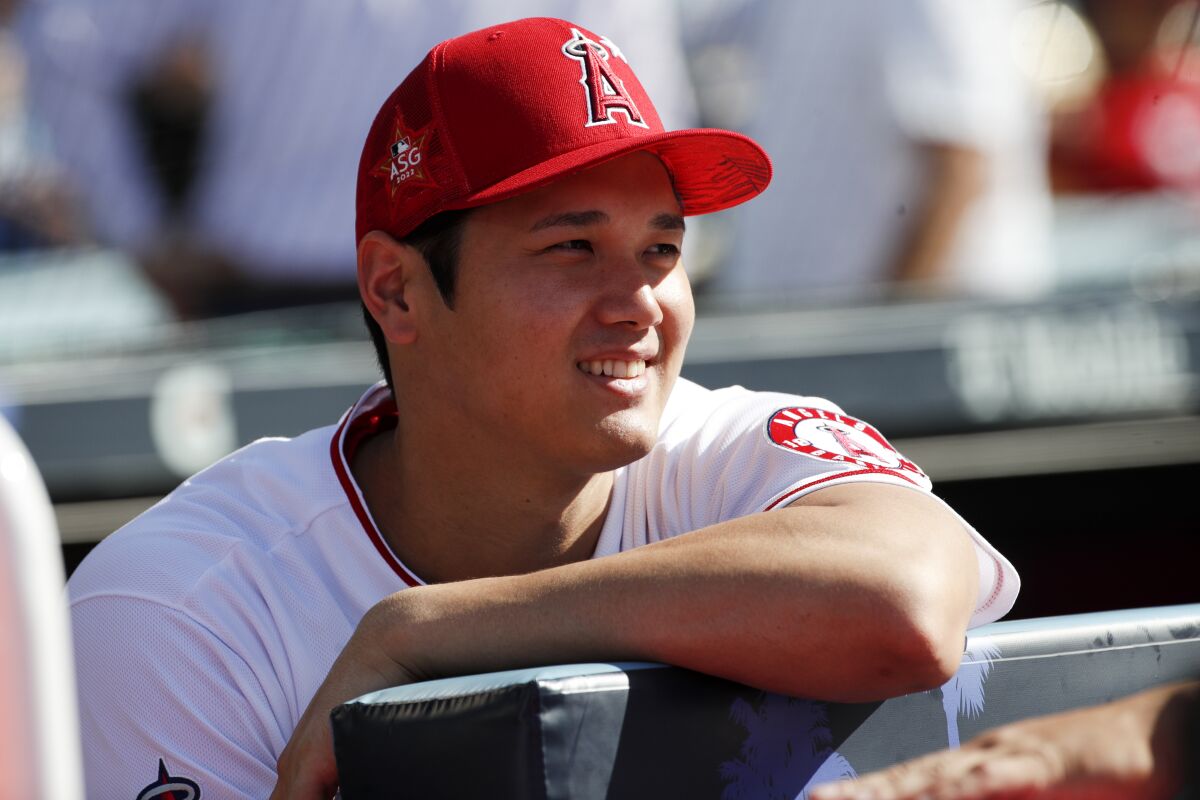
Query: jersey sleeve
[(164, 702), (731, 453)]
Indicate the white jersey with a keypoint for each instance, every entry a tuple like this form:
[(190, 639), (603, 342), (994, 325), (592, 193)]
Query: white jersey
[(204, 627)]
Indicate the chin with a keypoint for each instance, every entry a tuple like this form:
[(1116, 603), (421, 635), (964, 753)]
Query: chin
[(624, 441)]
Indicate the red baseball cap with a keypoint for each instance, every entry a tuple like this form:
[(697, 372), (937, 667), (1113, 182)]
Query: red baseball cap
[(506, 109)]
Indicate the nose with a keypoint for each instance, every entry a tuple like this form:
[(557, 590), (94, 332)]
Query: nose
[(630, 298)]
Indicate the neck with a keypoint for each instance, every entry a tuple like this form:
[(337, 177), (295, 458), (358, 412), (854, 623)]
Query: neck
[(450, 521)]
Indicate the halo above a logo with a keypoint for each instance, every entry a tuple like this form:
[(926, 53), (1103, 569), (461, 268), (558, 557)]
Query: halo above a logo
[(834, 437), (606, 92), (170, 787)]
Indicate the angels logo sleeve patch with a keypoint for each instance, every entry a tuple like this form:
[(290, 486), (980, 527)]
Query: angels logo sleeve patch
[(841, 440), (732, 452), (170, 787)]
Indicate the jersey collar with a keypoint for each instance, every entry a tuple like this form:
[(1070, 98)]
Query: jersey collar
[(375, 412)]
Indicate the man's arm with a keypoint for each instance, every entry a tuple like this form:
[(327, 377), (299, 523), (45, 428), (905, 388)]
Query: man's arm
[(855, 592)]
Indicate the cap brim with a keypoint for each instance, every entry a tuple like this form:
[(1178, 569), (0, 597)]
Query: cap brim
[(711, 169)]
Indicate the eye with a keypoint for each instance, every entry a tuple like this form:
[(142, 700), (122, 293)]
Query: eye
[(582, 245), (664, 250)]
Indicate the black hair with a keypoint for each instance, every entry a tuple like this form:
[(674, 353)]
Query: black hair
[(437, 239)]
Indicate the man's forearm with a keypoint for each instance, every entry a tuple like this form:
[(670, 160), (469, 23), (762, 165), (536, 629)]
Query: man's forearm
[(854, 593), (861, 592)]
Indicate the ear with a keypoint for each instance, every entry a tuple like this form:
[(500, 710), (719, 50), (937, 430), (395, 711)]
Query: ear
[(388, 272)]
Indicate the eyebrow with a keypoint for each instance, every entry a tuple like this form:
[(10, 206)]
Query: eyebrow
[(579, 219), (667, 222), (571, 219)]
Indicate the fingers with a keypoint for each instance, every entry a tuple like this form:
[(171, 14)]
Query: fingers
[(966, 774), (307, 769)]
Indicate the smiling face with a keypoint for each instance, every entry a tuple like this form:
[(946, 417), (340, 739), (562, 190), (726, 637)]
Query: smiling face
[(570, 315)]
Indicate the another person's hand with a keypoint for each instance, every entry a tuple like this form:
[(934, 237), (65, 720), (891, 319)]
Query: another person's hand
[(190, 275), (1129, 748)]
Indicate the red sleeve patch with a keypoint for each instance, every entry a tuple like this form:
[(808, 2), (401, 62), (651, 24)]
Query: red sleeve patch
[(838, 438)]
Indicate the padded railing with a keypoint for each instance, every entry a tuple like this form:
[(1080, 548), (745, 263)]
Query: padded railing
[(649, 731)]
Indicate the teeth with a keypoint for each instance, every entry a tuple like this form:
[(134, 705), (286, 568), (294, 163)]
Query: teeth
[(614, 369)]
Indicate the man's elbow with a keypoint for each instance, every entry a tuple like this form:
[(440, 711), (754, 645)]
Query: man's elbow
[(933, 595), (926, 646), (927, 657), (911, 655)]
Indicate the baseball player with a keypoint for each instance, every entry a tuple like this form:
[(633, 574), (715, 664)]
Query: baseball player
[(533, 483)]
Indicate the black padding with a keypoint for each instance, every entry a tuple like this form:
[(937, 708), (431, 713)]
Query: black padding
[(596, 731)]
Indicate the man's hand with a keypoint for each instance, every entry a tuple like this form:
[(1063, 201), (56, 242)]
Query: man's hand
[(306, 767), (1125, 749), (415, 635)]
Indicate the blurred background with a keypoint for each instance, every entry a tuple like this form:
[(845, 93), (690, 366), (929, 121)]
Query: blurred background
[(983, 236)]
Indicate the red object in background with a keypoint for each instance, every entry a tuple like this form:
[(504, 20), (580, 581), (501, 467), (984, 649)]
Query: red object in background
[(1140, 132)]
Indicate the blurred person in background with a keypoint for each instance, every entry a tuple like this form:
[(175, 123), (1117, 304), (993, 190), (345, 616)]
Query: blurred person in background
[(36, 209), (908, 148), (276, 98), (1139, 130)]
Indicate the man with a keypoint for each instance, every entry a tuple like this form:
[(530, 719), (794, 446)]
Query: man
[(520, 222)]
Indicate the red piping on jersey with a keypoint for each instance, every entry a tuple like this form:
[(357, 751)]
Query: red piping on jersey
[(838, 476), (999, 584), (356, 427)]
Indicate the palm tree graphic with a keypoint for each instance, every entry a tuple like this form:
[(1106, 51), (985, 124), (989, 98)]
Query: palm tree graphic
[(963, 693), (788, 747)]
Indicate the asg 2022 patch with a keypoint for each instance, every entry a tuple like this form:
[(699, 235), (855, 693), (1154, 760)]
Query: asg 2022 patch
[(838, 438), (404, 165)]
